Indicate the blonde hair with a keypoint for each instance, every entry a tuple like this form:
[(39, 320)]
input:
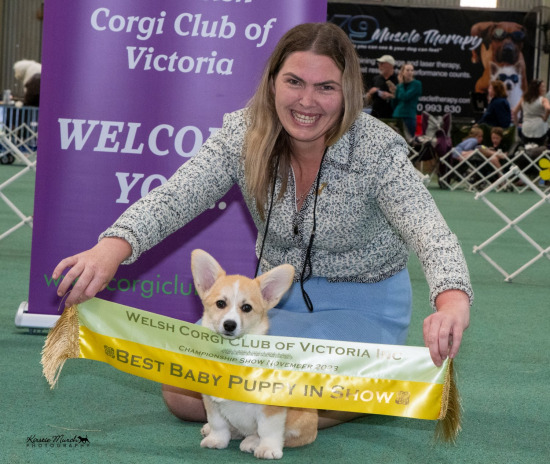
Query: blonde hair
[(475, 132), (266, 142)]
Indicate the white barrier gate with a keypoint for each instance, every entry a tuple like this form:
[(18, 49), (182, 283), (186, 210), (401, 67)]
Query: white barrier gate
[(18, 142), (513, 223)]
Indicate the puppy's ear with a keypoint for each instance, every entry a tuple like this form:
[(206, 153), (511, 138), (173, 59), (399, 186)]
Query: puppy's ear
[(206, 271), (275, 283), (494, 68)]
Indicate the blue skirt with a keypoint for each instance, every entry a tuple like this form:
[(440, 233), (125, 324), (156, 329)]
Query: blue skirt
[(358, 312)]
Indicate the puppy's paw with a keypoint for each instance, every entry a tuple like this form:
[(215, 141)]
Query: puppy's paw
[(216, 442), (235, 434), (250, 443), (268, 452), (205, 430)]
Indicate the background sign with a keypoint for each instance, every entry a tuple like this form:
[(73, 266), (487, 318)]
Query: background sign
[(451, 50), (130, 91)]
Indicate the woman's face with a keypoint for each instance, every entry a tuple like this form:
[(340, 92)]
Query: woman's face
[(308, 98), (491, 91), (408, 73)]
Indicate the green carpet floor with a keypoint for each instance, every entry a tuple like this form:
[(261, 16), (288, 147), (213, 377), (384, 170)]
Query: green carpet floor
[(503, 369)]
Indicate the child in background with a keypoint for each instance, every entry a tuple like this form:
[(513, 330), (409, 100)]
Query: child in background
[(497, 140), (497, 151), (465, 148), (471, 149)]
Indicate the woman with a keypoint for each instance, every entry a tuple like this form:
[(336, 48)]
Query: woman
[(407, 93), (535, 108), (498, 111), (304, 155)]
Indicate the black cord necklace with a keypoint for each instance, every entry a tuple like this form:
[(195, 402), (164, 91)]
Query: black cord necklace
[(307, 269)]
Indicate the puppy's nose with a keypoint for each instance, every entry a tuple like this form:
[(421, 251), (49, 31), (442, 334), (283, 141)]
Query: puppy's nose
[(229, 325)]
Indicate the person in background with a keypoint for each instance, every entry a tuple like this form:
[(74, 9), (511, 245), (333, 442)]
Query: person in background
[(331, 191), (472, 144), (498, 112), (467, 147), (534, 108), (31, 96), (381, 93), (497, 141), (497, 152), (407, 93)]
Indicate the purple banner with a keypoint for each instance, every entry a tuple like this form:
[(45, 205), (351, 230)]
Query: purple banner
[(130, 91)]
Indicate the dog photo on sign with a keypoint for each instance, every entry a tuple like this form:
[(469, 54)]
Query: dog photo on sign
[(512, 80), (502, 46)]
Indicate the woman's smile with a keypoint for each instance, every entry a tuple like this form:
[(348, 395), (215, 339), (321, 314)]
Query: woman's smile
[(302, 118), (308, 98)]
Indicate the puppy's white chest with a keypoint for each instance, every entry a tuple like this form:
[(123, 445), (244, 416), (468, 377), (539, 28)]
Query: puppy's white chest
[(242, 416)]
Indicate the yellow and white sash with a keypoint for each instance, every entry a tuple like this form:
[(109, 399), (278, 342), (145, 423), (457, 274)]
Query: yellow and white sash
[(283, 371)]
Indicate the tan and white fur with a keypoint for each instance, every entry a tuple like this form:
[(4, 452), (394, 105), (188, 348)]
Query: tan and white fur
[(235, 305)]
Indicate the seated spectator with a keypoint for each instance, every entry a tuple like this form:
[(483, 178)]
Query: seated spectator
[(498, 150), (471, 149), (465, 148), (497, 140), (498, 111), (534, 108)]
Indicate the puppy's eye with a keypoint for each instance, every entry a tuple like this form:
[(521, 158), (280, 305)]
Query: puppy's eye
[(246, 308), (221, 304)]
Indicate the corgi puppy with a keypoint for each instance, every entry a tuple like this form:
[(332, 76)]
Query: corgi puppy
[(233, 306)]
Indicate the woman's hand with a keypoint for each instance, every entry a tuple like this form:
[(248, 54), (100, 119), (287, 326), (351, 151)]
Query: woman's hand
[(94, 269), (443, 330)]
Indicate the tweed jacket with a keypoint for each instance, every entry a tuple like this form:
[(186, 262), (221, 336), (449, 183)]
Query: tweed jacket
[(372, 208)]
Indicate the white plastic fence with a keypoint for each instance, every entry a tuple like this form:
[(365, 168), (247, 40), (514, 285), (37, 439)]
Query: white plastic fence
[(476, 172), (513, 224), (18, 144)]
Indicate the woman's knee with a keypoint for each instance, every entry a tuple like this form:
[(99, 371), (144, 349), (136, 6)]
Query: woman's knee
[(184, 404)]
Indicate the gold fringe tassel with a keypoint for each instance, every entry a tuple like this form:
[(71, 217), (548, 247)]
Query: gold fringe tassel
[(450, 416), (61, 344)]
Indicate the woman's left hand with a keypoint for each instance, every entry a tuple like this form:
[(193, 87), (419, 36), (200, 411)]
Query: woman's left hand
[(443, 329)]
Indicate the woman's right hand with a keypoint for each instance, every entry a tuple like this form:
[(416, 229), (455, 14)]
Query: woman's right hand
[(94, 269)]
